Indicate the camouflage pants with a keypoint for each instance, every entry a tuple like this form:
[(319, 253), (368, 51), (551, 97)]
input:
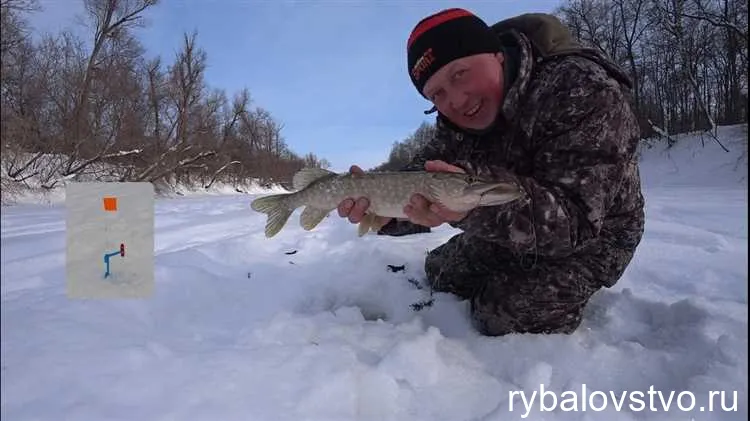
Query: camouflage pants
[(505, 295)]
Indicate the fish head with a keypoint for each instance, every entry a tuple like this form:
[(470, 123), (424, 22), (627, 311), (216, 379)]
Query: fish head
[(464, 192)]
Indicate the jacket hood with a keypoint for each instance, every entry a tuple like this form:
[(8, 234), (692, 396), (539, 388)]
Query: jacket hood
[(550, 38)]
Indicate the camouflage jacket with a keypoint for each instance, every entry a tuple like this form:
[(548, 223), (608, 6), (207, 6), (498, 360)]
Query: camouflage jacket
[(567, 136)]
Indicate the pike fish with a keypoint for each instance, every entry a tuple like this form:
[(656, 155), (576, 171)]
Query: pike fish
[(321, 191)]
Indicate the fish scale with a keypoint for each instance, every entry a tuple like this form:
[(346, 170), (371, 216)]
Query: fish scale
[(387, 194), (320, 191)]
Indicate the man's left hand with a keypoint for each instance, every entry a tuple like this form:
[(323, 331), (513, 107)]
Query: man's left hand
[(423, 212)]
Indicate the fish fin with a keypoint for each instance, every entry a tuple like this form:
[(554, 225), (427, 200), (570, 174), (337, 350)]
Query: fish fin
[(311, 217), (307, 176), (364, 225), (436, 196), (277, 210), (367, 224)]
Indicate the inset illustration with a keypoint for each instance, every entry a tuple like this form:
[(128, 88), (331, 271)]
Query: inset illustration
[(104, 220)]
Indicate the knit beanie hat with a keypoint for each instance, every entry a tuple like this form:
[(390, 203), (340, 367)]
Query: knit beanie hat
[(443, 37)]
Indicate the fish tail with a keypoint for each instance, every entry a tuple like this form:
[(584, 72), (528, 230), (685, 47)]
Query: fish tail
[(277, 208)]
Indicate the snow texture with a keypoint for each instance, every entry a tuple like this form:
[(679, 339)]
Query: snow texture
[(312, 326)]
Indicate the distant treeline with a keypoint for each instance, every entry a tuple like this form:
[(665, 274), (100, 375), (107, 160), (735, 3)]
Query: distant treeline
[(108, 111), (688, 60)]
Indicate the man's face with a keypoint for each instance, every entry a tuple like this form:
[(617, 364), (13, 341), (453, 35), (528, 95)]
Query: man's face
[(469, 90)]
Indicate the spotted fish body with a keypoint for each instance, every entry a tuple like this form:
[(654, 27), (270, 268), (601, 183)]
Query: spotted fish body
[(388, 192), (320, 192)]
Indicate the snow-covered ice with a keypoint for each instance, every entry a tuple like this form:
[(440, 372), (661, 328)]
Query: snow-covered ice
[(238, 329)]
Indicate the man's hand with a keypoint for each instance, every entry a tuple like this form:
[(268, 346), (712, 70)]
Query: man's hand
[(423, 212), (355, 209)]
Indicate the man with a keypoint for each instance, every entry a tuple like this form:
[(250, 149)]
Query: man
[(521, 101)]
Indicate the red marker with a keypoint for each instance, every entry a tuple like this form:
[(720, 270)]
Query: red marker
[(122, 249)]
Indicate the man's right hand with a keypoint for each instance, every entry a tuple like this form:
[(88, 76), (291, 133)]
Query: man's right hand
[(355, 210)]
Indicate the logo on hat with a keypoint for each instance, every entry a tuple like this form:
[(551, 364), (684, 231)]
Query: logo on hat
[(422, 64)]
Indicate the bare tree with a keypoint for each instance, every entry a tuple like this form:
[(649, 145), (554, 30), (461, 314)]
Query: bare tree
[(634, 23), (687, 58), (107, 112)]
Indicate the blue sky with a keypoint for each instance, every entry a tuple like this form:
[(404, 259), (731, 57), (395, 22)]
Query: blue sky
[(332, 71)]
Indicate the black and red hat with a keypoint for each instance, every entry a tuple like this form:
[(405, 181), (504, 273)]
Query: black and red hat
[(443, 37)]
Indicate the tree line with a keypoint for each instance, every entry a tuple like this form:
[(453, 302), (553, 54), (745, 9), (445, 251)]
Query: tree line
[(109, 112), (402, 152), (688, 60)]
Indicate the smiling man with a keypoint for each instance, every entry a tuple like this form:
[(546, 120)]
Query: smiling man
[(521, 101)]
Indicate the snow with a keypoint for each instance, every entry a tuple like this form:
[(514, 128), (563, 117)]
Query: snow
[(242, 328), (698, 161)]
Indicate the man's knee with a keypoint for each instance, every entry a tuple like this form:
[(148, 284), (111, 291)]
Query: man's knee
[(530, 306), (496, 321), (451, 269), (505, 298), (397, 228)]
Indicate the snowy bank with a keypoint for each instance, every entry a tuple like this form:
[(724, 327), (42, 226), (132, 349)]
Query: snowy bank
[(46, 186), (697, 160)]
